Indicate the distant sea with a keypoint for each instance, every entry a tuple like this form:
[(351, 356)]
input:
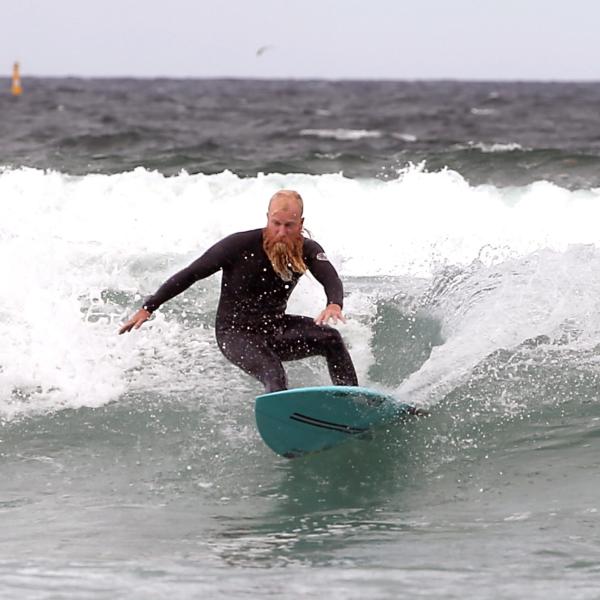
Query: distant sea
[(464, 219)]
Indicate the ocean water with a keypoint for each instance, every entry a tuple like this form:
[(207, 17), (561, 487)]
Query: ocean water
[(463, 218)]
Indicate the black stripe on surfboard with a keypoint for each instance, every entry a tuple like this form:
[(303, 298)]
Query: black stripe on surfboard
[(326, 424)]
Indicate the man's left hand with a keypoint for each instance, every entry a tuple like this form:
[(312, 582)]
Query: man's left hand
[(332, 312)]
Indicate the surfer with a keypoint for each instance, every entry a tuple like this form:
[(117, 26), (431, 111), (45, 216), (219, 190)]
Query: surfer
[(260, 270)]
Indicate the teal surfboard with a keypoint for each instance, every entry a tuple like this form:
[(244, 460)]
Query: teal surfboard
[(303, 420)]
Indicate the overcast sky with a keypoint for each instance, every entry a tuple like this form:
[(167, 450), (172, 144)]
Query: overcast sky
[(373, 39)]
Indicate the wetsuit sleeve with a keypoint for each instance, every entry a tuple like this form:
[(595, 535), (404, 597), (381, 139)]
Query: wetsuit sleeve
[(214, 259), (325, 273)]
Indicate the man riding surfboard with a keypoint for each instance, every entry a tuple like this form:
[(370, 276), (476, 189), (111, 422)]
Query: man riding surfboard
[(260, 269)]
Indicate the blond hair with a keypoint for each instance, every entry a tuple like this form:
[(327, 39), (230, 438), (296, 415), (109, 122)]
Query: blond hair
[(287, 196)]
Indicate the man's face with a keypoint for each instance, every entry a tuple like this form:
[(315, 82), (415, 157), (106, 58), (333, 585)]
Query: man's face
[(282, 238), (284, 224)]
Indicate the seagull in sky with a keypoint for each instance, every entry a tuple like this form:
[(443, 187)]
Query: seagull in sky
[(262, 50)]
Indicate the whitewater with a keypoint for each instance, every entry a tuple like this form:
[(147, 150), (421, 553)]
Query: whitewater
[(493, 267)]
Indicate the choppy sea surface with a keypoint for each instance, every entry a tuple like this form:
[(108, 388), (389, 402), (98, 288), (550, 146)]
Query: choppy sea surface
[(463, 218)]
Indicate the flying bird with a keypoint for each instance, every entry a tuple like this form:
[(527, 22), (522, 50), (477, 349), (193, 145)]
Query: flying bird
[(262, 50)]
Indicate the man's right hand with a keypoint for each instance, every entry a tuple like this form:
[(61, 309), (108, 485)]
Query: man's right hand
[(140, 317)]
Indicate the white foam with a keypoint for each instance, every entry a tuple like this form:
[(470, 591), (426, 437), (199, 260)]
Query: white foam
[(405, 137), (496, 147), (486, 112), (341, 134), (64, 240), (546, 293)]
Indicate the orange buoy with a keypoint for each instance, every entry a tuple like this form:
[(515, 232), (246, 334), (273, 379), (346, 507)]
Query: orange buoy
[(16, 88)]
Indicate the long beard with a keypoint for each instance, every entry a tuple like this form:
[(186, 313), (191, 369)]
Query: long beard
[(286, 257)]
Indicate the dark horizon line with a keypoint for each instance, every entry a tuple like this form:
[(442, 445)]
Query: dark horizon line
[(308, 79)]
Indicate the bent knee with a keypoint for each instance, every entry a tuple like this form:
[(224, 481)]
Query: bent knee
[(330, 336)]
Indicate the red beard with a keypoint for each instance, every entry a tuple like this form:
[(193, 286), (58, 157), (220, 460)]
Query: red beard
[(285, 255)]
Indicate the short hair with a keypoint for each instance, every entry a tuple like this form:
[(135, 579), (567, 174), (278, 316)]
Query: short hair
[(289, 195)]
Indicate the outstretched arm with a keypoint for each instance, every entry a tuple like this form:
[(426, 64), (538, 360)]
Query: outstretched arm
[(210, 262)]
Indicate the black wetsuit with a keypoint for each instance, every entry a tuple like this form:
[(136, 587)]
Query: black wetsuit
[(252, 329)]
